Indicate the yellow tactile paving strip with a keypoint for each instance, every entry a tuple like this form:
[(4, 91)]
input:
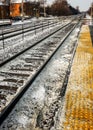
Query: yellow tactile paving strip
[(79, 95)]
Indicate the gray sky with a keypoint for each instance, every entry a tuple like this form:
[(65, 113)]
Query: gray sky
[(83, 4)]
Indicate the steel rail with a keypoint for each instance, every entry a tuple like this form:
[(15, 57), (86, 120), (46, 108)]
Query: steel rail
[(19, 53), (9, 108), (13, 33)]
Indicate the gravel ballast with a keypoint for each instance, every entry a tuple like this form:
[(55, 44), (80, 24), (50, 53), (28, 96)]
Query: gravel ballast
[(40, 107)]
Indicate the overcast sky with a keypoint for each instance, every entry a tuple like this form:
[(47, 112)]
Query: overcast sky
[(83, 4)]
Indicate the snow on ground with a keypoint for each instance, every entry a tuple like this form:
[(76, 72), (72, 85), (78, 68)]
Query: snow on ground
[(88, 16), (21, 45), (41, 106), (34, 19)]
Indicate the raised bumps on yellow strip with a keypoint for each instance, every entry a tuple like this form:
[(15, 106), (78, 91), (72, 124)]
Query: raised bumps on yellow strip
[(79, 94)]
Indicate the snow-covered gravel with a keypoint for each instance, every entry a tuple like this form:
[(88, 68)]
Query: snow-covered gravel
[(17, 66), (41, 106)]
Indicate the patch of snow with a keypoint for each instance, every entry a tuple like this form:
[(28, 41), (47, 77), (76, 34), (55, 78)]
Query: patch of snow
[(88, 20), (22, 119), (39, 94), (88, 16)]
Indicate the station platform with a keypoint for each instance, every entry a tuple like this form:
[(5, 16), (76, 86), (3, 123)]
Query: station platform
[(79, 94)]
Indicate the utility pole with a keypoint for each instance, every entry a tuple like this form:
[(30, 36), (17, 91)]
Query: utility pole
[(42, 2), (22, 5), (22, 10), (44, 9), (2, 13), (10, 10), (92, 12)]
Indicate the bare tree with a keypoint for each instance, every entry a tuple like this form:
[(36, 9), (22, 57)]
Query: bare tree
[(60, 7)]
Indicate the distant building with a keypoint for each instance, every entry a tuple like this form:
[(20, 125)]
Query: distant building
[(13, 8), (4, 10), (24, 8)]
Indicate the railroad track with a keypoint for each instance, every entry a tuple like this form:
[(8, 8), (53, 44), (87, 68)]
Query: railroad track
[(12, 36), (19, 30), (9, 54), (17, 75), (5, 22)]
